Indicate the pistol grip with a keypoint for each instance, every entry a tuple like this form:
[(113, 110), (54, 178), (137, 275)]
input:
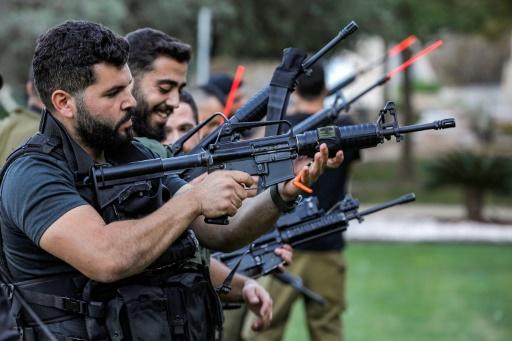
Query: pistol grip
[(222, 220)]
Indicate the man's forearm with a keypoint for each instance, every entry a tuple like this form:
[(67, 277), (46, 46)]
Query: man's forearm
[(219, 272), (110, 252), (155, 234), (256, 216)]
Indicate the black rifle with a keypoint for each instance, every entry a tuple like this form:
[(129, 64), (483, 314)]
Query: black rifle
[(256, 107), (305, 223), (270, 158)]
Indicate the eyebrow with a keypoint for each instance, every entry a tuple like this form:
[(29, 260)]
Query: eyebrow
[(170, 82)]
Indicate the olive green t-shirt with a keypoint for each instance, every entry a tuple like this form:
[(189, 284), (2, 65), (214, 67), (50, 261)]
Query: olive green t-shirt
[(15, 129)]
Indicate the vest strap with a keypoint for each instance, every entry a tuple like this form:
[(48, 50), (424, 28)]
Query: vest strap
[(67, 304)]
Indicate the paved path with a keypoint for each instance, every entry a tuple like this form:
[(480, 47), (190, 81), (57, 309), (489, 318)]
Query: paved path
[(430, 223)]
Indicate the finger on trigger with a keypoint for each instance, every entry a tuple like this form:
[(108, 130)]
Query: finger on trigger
[(240, 192), (242, 178)]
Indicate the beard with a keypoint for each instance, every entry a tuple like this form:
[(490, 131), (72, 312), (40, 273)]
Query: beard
[(141, 117), (98, 134)]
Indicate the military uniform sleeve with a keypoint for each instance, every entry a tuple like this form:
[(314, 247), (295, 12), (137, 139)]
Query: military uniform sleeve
[(37, 191)]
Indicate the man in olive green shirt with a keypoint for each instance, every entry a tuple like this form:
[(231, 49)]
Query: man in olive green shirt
[(21, 123)]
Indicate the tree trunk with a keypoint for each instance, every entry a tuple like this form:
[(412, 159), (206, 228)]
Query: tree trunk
[(407, 167), (474, 204)]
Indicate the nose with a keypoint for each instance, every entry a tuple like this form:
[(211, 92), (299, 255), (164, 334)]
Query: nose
[(173, 136), (129, 102), (173, 100)]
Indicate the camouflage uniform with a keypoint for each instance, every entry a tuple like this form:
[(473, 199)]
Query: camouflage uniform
[(17, 128)]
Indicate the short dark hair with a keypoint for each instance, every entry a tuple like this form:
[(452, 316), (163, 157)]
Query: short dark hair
[(219, 86), (310, 86), (147, 44), (65, 56), (186, 97)]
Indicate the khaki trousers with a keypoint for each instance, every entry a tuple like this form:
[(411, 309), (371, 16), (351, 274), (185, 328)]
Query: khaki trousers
[(322, 272)]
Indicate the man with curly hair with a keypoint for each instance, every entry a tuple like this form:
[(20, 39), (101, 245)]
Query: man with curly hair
[(113, 263)]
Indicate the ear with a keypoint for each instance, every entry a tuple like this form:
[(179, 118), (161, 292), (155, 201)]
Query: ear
[(64, 103), (29, 88)]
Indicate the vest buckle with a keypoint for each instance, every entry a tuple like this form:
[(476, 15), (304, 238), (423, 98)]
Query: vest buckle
[(73, 305)]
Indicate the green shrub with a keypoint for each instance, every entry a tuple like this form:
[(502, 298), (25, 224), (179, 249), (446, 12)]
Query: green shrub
[(476, 173)]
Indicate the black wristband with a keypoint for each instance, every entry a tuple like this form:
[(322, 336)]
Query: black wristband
[(282, 206)]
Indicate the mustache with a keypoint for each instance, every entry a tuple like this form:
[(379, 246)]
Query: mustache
[(164, 107), (127, 116)]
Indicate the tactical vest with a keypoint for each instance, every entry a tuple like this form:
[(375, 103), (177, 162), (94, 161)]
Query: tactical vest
[(173, 299)]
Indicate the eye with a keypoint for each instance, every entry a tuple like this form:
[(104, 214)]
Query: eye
[(165, 89), (185, 128), (112, 93), (213, 123)]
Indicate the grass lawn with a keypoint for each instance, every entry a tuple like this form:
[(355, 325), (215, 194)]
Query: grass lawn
[(424, 292)]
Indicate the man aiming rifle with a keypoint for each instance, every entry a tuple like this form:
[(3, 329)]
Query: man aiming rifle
[(86, 266)]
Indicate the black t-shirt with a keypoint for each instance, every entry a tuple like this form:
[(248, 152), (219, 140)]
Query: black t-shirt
[(330, 188), (36, 191)]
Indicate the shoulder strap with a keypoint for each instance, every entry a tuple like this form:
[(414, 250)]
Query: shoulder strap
[(281, 86)]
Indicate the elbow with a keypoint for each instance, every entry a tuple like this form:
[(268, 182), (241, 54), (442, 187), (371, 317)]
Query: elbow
[(106, 271)]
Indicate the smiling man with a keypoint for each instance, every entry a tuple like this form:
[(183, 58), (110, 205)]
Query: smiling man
[(159, 64), (184, 118), (105, 264)]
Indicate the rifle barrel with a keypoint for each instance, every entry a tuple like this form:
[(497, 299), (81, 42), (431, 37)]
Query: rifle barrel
[(399, 201), (344, 33), (436, 125), (343, 83)]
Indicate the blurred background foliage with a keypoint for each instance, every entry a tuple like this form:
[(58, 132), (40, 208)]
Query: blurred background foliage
[(248, 28), (256, 30)]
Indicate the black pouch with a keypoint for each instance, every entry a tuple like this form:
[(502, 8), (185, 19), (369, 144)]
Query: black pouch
[(138, 312), (182, 307), (189, 309)]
